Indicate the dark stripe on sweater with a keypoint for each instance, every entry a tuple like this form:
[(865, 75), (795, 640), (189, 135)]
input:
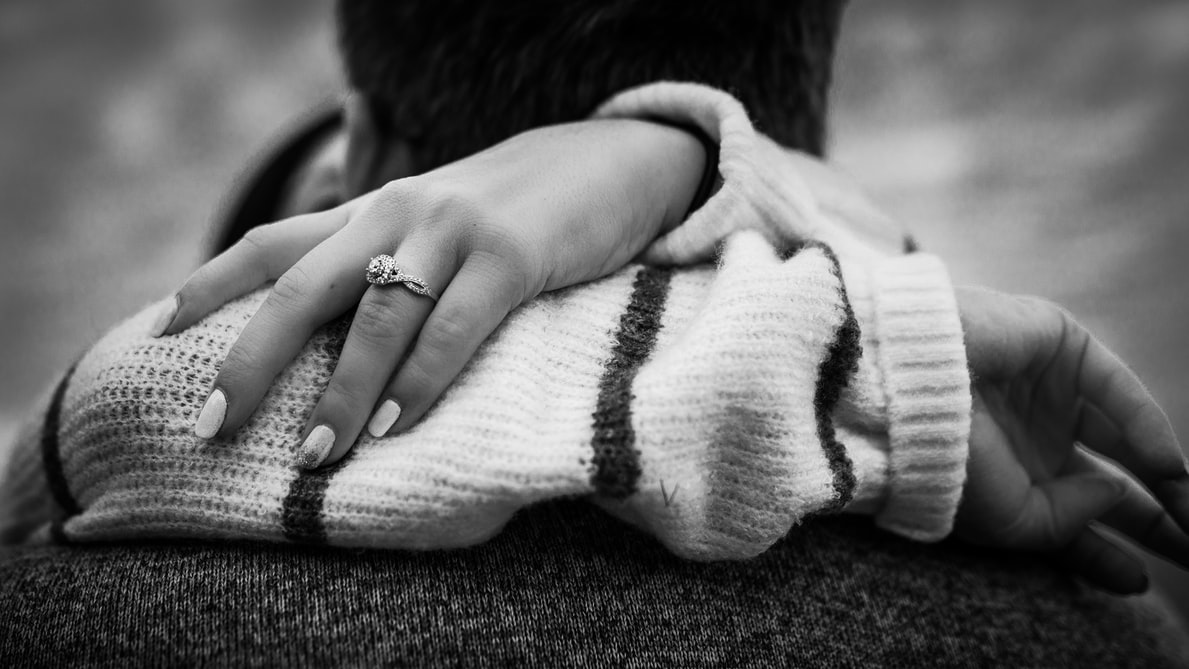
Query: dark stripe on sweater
[(301, 512), (302, 517), (787, 250), (835, 372), (51, 457), (615, 466)]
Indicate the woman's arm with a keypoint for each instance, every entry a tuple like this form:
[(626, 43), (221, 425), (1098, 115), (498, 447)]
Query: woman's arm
[(544, 210)]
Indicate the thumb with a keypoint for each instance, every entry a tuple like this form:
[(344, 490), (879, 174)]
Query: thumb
[(1057, 510)]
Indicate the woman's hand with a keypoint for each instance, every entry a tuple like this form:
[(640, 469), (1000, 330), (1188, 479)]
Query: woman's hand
[(546, 209), (1049, 401)]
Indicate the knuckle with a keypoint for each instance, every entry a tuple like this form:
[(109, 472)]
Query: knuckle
[(1046, 309), (1033, 301), (344, 390), (1038, 304), (289, 295), (1064, 314), (1027, 527), (373, 319), (1061, 316), (238, 371), (396, 201), (447, 332), (440, 207), (448, 203), (415, 382), (440, 352), (292, 287), (257, 244), (400, 190), (1070, 328), (1114, 379), (258, 239), (1062, 335), (450, 206), (399, 194), (512, 253), (200, 281), (505, 256)]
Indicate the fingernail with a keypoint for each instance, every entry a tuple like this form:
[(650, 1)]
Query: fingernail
[(210, 419), (316, 447), (165, 318), (383, 419)]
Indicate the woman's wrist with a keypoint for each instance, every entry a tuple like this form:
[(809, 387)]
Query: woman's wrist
[(709, 180), (672, 161)]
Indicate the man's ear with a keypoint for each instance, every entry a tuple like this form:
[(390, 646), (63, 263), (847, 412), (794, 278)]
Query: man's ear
[(317, 182), (375, 153)]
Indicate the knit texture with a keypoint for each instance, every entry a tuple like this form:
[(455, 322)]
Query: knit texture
[(564, 585), (690, 403), (713, 407), (762, 187), (927, 430)]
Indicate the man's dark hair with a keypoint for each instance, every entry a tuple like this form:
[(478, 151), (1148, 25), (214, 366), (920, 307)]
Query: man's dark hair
[(456, 76)]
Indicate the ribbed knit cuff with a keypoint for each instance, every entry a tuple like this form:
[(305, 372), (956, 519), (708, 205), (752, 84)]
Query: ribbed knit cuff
[(763, 186), (781, 207), (923, 360)]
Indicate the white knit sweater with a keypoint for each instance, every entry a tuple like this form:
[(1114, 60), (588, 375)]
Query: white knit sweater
[(715, 407)]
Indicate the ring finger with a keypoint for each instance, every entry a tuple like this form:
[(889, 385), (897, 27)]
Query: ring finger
[(386, 323)]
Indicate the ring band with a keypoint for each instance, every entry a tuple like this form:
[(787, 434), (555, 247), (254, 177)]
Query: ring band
[(382, 271)]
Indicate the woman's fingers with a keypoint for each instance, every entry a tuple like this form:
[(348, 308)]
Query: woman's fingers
[(386, 324), (323, 284), (1149, 446), (1104, 564), (1119, 418), (1056, 510), (264, 254), (1138, 515), (477, 301)]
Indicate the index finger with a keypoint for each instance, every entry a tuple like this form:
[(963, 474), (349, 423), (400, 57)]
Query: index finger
[(1125, 423), (262, 255), (321, 286), (1137, 516)]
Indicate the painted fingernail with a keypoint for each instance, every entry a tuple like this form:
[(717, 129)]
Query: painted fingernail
[(210, 419), (165, 318), (316, 447), (383, 419)]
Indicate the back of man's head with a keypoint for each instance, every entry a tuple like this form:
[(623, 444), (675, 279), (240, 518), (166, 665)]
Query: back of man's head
[(451, 77)]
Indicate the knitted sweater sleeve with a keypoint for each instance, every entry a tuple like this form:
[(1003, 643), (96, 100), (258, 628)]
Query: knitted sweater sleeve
[(761, 183), (914, 363), (714, 407)]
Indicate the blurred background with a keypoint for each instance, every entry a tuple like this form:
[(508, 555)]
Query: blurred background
[(1038, 147)]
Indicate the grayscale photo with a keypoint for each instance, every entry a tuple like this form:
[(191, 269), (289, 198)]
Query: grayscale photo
[(594, 333)]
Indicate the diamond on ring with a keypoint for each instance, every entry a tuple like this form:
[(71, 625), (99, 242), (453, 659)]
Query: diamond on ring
[(382, 271)]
